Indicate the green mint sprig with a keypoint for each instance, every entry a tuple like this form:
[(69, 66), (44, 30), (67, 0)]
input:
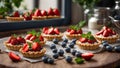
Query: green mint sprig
[(88, 36), (79, 60)]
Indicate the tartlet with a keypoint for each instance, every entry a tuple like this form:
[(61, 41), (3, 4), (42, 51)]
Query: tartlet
[(107, 34)]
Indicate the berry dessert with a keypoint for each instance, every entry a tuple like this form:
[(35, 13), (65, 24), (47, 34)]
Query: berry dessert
[(38, 15), (51, 33), (14, 43), (32, 50), (106, 34), (34, 36), (15, 17), (73, 32), (27, 16), (88, 42), (53, 13)]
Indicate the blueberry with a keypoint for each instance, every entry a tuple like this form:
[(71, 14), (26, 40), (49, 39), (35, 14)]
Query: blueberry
[(52, 46), (117, 17), (78, 54), (105, 44), (74, 41), (55, 41), (109, 48), (68, 50), (73, 52), (54, 50), (61, 52), (44, 59), (65, 40), (117, 48), (63, 44), (50, 60), (71, 45), (68, 59), (55, 55)]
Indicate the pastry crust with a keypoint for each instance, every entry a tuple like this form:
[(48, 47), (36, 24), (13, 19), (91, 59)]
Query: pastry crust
[(72, 36), (39, 17), (109, 39), (51, 17), (33, 54), (88, 46), (12, 47), (15, 19)]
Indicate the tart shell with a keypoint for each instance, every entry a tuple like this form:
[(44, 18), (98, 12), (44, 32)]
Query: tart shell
[(39, 17), (73, 36), (15, 19), (51, 17)]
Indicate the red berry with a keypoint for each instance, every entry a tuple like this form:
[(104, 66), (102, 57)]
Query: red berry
[(36, 46), (68, 30), (56, 30), (56, 12), (72, 31), (91, 41), (20, 39), (33, 38), (41, 38), (50, 12), (87, 56), (100, 32), (83, 40), (14, 57), (28, 36), (44, 13), (51, 30), (79, 31), (38, 13), (25, 47), (105, 33), (10, 38), (44, 29), (16, 14), (14, 41)]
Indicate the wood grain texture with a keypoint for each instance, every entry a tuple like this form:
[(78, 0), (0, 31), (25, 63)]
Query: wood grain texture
[(101, 60)]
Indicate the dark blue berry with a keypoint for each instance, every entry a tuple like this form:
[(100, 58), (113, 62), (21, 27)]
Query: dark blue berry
[(71, 45), (65, 40), (78, 54), (117, 48), (68, 50), (68, 59), (55, 41), (73, 52), (55, 55), (52, 46), (63, 44), (54, 50), (60, 52), (105, 44), (117, 17), (74, 41), (109, 48), (44, 59), (50, 60)]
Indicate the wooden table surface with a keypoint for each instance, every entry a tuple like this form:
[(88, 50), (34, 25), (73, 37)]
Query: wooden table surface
[(100, 60)]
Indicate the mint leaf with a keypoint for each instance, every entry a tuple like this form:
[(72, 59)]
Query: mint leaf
[(81, 24), (79, 60), (30, 44), (89, 33)]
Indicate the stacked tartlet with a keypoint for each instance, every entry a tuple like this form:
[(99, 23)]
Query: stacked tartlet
[(51, 33), (88, 42), (14, 43), (107, 34), (15, 17)]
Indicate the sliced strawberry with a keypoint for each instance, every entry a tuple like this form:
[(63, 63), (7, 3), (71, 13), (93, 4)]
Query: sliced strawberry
[(72, 31), (68, 30), (56, 12), (56, 30), (105, 33), (41, 38), (38, 13), (44, 13), (33, 38), (14, 41), (25, 47), (20, 39), (105, 28), (83, 40), (100, 32), (36, 46), (50, 12), (16, 14), (87, 56), (14, 57), (28, 36), (91, 41), (79, 31), (44, 29), (51, 30), (10, 38)]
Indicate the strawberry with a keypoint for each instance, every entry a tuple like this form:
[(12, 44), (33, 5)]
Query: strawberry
[(14, 57), (44, 13), (27, 16), (56, 12), (10, 38), (36, 46), (82, 40), (91, 41), (87, 56), (72, 31), (41, 38), (38, 13), (105, 33), (51, 31), (20, 39), (105, 28), (33, 38), (14, 41), (100, 32), (79, 31), (50, 12), (28, 36), (16, 14), (44, 29), (68, 30), (56, 30), (25, 47)]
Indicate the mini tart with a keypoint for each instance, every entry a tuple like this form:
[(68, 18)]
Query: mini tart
[(33, 54), (51, 37), (110, 39), (72, 36), (15, 19), (42, 43), (50, 17), (88, 46), (12, 47), (39, 17)]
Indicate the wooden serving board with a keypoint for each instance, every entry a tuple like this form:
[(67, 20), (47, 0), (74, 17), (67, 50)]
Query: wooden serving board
[(101, 60)]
